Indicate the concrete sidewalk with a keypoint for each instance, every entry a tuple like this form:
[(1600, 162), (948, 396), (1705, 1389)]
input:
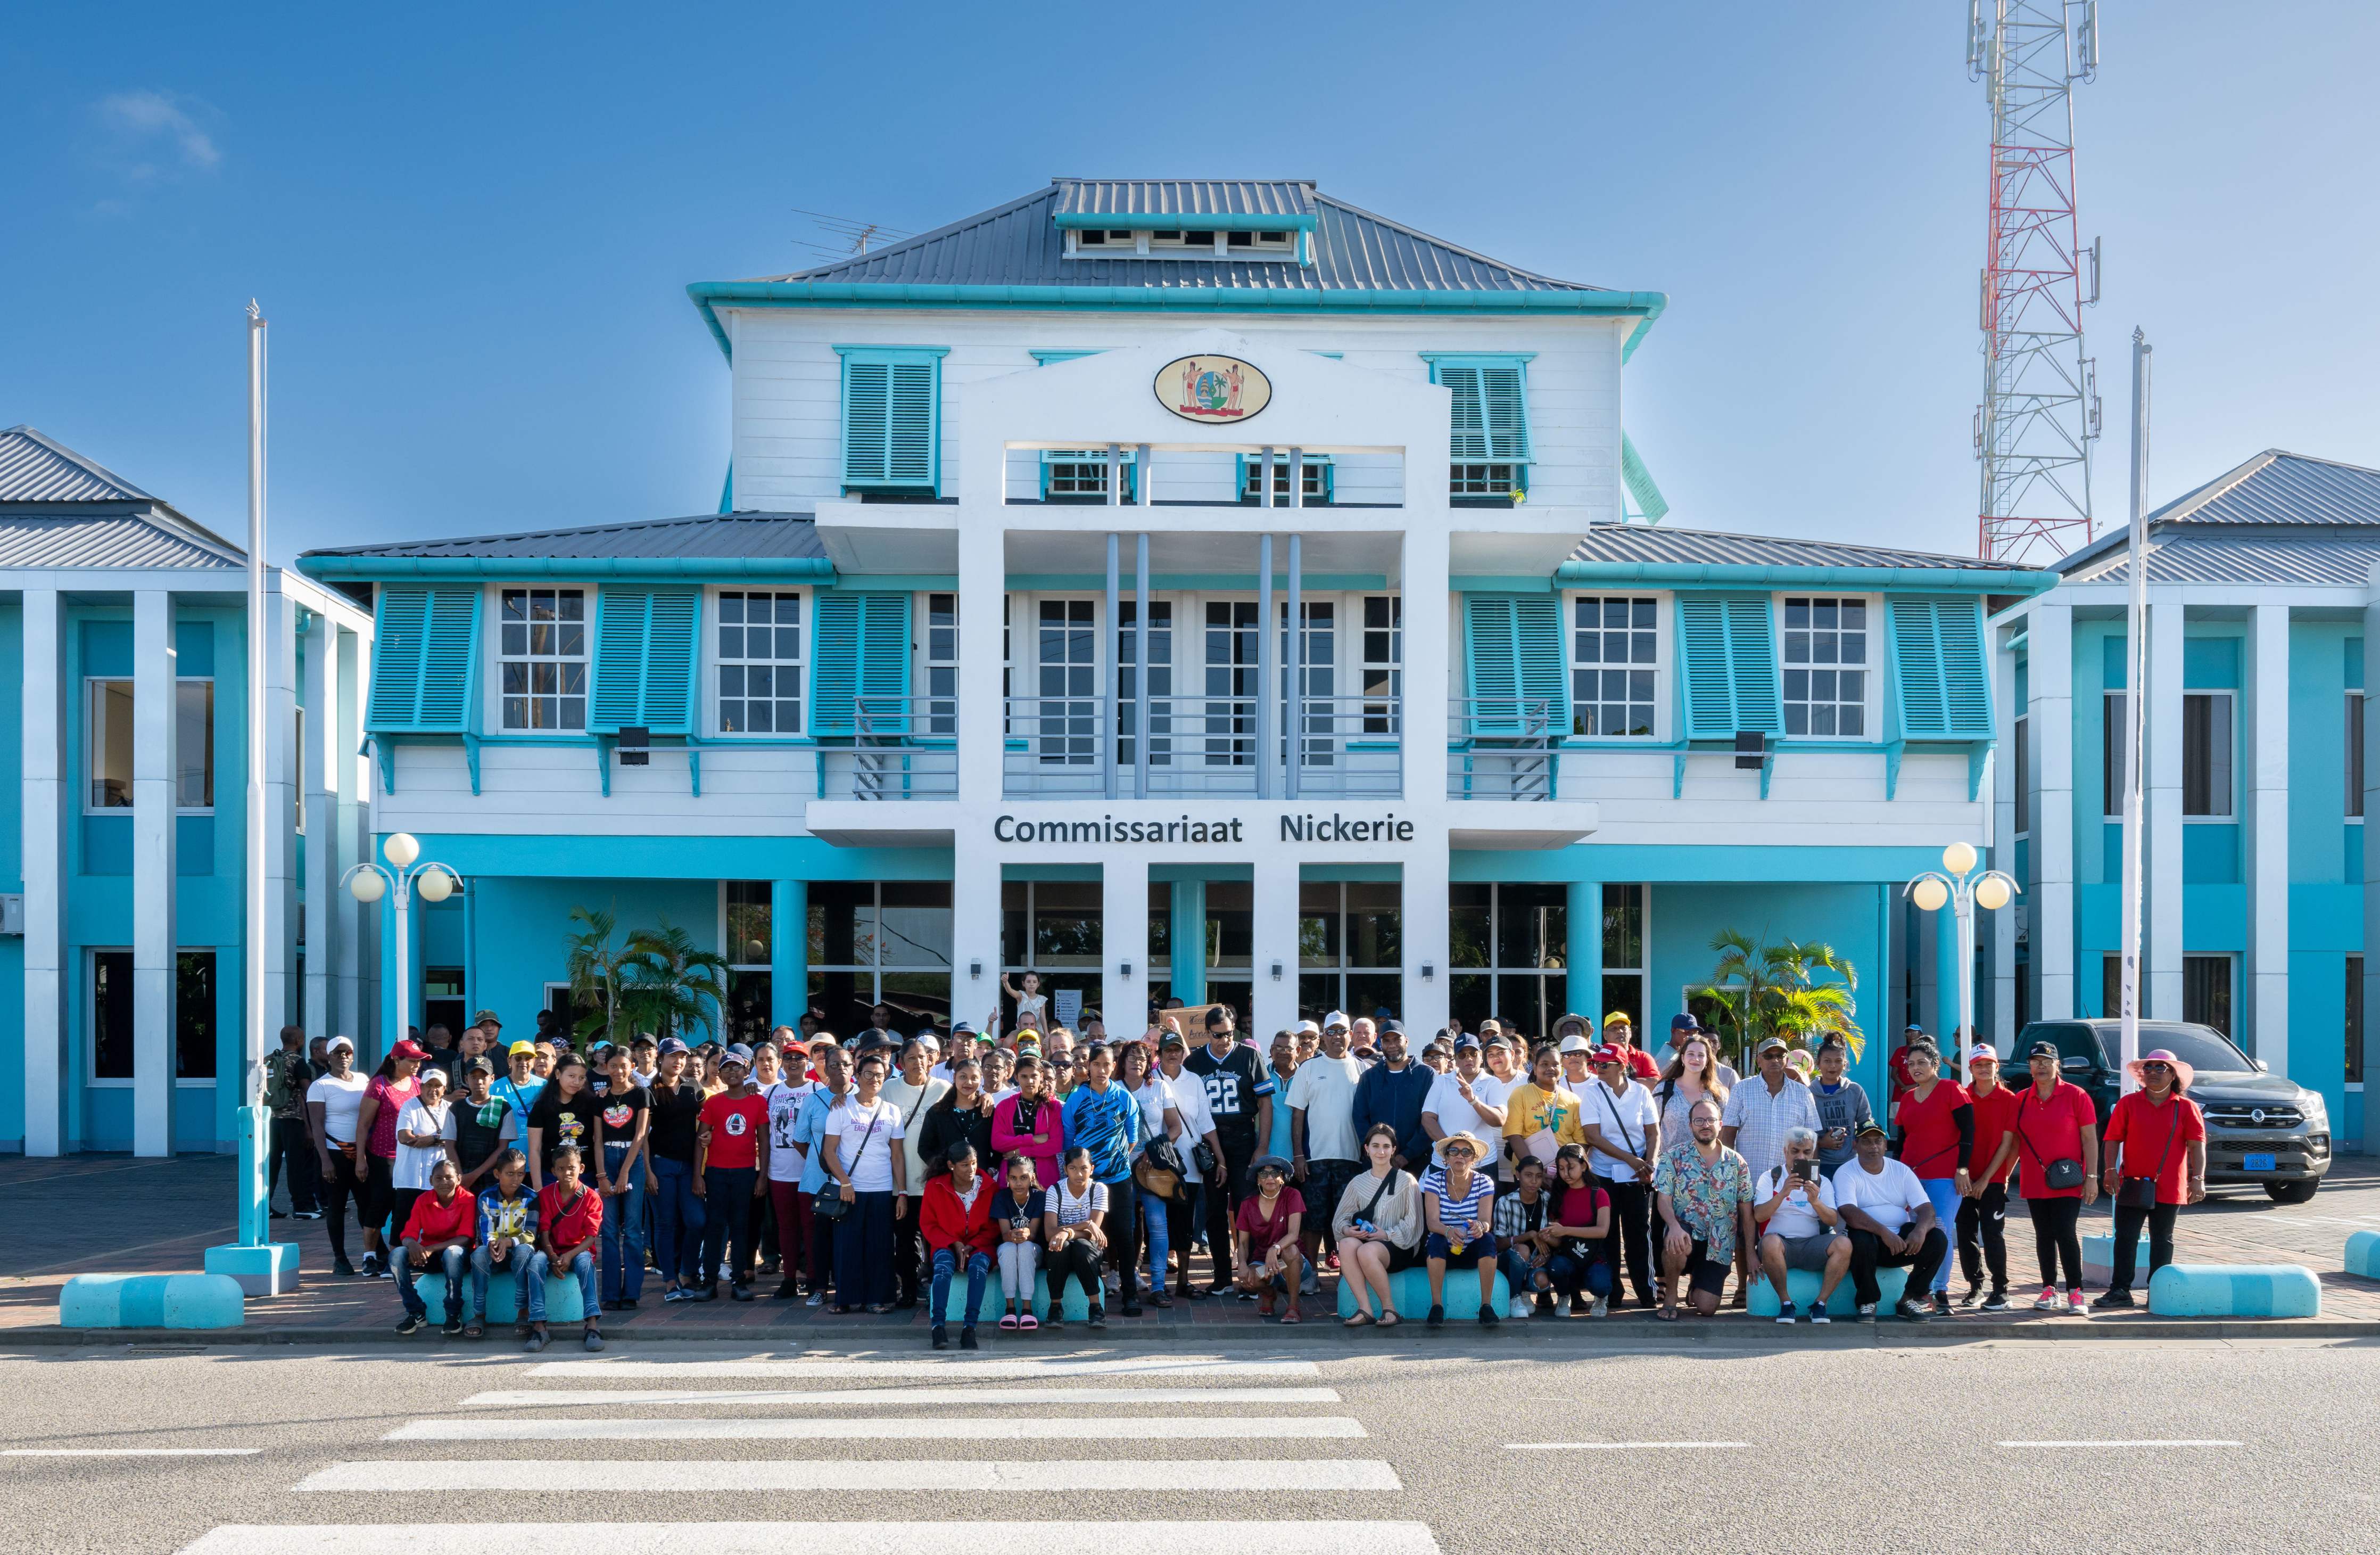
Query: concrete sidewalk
[(112, 1214)]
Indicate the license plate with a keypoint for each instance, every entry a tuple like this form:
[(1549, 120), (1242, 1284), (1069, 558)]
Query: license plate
[(2262, 1162)]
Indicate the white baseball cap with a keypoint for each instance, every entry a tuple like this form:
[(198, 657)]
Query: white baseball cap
[(1307, 1028), (1336, 1018), (1980, 1052)]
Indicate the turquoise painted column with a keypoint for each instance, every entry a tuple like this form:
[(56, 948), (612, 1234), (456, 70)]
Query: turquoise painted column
[(392, 980), (789, 951), (1946, 983), (1189, 941), (1585, 954)]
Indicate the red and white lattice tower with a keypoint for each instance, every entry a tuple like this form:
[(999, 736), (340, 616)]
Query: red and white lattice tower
[(2040, 413)]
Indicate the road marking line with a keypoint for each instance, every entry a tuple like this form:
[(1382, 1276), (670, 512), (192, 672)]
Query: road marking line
[(1278, 1538), (129, 1452), (992, 1427), (986, 1370), (1608, 1446), (903, 1397), (2143, 1441), (736, 1476)]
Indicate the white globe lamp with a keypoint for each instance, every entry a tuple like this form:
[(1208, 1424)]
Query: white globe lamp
[(1931, 894), (1958, 857), (369, 885), (401, 849), (1992, 894)]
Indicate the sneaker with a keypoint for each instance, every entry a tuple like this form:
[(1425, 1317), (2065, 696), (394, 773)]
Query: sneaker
[(1130, 1310), (453, 1327), (2112, 1300), (1602, 1308), (1785, 1312), (1520, 1308), (1818, 1313), (1941, 1303), (1099, 1317), (1995, 1302), (1247, 1295), (344, 1269), (785, 1292), (1488, 1319), (966, 1337), (1867, 1312), (1912, 1310), (305, 1214), (1192, 1293), (535, 1339), (740, 1291), (708, 1291), (941, 1338), (1313, 1285), (369, 1267), (2048, 1300), (408, 1324), (1437, 1317), (816, 1299), (594, 1340), (2074, 1308)]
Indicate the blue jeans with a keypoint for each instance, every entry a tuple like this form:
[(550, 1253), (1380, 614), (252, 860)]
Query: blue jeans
[(679, 1220), (1519, 1273), (978, 1269), (1944, 1192), (1570, 1275), (537, 1266), (1153, 1229), (863, 1251), (484, 1264), (728, 1203), (450, 1261), (623, 1229)]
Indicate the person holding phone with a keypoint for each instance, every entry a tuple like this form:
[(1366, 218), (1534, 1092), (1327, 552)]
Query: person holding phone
[(1793, 1204)]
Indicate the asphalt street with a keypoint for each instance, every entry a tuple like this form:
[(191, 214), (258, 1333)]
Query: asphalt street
[(1436, 1442)]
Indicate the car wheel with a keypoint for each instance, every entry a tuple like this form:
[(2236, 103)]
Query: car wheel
[(2295, 1192)]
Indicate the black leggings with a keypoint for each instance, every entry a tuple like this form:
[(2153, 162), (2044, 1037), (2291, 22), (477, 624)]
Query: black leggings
[(341, 1185), (2054, 1237), (1080, 1261), (1983, 1220), (2129, 1222), (1124, 1235), (1225, 1191), (1631, 1240)]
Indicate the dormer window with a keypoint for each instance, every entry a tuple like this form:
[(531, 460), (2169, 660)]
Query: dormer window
[(1193, 239), (1197, 242), (1103, 238)]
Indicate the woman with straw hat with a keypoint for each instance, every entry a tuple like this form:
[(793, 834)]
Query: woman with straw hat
[(2156, 1163)]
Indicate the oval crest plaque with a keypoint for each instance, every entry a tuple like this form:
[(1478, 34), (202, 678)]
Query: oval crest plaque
[(1213, 389)]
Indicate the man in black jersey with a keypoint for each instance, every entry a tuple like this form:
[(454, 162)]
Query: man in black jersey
[(1239, 1092)]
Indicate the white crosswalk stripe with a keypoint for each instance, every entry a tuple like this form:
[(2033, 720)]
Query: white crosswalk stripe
[(1035, 1537), (889, 1368), (1224, 1477), (766, 1398), (979, 1427)]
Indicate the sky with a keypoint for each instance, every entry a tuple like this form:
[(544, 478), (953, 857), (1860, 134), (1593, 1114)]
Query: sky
[(471, 227)]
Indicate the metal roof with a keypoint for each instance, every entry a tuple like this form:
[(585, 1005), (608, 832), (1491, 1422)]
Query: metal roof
[(1663, 545), (33, 469), (1019, 244), (709, 535), (2276, 487), (86, 541), (2184, 557), (1287, 198)]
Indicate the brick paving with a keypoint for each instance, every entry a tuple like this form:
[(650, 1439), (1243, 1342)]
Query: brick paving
[(112, 1214)]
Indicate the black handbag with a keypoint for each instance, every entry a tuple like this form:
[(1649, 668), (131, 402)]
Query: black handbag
[(829, 1204), (2066, 1172)]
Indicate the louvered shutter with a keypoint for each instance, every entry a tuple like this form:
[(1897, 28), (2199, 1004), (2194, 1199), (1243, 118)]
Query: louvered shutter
[(884, 663), (891, 404), (1727, 657), (1751, 665), (859, 647), (644, 661), (909, 425), (1504, 400), (1538, 645), (1944, 686), (425, 647), (1490, 665), (867, 394), (834, 662), (1469, 440)]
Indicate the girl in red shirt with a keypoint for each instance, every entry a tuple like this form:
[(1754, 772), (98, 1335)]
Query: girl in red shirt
[(1937, 1134), (2056, 1131), (955, 1218), (2160, 1137)]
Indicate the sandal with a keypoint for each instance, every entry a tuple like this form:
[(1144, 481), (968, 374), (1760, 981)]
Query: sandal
[(1666, 1313), (474, 1330), (1387, 1320), (1029, 1322), (1360, 1320), (1009, 1321), (1291, 1316)]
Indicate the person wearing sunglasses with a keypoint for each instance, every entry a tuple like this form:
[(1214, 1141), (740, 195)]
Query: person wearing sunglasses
[(2156, 1163)]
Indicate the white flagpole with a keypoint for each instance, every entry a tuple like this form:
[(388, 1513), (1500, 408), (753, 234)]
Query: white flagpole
[(2136, 618), (254, 1206)]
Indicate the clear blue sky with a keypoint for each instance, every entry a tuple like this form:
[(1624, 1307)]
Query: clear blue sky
[(472, 232)]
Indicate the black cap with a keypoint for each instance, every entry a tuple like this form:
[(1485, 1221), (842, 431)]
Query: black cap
[(2041, 1050), (1871, 1126)]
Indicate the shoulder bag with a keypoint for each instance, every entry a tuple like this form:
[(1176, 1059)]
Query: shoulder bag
[(828, 1204), (2140, 1193), (2066, 1172)]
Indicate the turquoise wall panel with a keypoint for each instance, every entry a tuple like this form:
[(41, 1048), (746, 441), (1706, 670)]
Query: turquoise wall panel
[(106, 1115), (2318, 1027), (107, 648), (522, 926), (2318, 686), (12, 760), (2210, 855), (194, 844), (707, 858), (441, 933), (194, 647), (107, 845), (2326, 918), (2210, 664), (12, 1042), (2214, 918), (1589, 861)]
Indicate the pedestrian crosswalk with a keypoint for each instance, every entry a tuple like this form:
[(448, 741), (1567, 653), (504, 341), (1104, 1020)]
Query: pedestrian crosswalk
[(1173, 1430)]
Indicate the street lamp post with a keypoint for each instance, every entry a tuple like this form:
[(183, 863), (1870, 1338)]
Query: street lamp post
[(405, 873), (1964, 888)]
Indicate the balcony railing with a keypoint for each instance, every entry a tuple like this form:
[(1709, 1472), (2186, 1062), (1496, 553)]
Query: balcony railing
[(901, 748), (1060, 747), (1501, 747)]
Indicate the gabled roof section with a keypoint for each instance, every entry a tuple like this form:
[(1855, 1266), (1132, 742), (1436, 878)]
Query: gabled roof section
[(1681, 558), (35, 469), (104, 541), (60, 509), (1168, 203), (722, 544), (2280, 517)]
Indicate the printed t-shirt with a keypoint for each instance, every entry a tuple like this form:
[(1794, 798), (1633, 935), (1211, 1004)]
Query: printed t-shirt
[(866, 1158), (787, 1157), (1578, 1206), (1929, 1138), (2047, 1131), (1994, 1115), (616, 1116), (735, 1123), (1234, 1083), (1794, 1217), (2156, 1140), (414, 1162), (566, 1120), (1543, 1121)]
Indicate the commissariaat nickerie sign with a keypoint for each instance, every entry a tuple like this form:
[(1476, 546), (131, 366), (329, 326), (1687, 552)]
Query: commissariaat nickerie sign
[(1308, 828)]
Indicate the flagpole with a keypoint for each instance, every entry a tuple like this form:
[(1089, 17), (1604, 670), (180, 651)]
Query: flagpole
[(255, 1206), (2136, 615)]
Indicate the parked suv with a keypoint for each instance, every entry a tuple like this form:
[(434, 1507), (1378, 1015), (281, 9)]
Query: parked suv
[(2260, 1127)]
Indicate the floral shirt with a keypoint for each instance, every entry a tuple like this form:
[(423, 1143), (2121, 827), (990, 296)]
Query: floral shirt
[(1705, 1195)]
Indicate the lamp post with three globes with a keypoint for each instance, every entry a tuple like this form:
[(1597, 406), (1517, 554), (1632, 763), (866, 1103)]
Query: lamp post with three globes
[(405, 874), (1959, 885)]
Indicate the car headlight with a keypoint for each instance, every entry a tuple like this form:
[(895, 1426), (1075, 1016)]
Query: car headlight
[(2317, 1110)]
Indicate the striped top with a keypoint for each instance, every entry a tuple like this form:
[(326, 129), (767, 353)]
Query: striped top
[(1072, 1211), (1468, 1214)]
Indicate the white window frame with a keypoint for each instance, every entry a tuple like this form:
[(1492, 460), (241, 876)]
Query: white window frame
[(1149, 243), (2113, 710), (1359, 656), (713, 662), (208, 681), (91, 751), (2230, 815), (494, 653), (2357, 710), (1871, 699), (936, 713), (1660, 666)]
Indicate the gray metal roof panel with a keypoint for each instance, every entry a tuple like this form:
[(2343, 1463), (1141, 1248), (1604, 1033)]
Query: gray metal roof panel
[(1180, 197), (703, 535), (1643, 542), (2183, 556), (2273, 490), (35, 468), (101, 541), (1019, 244)]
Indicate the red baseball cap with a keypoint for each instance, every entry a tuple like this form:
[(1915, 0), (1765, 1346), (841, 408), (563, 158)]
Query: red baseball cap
[(408, 1048), (1604, 1053)]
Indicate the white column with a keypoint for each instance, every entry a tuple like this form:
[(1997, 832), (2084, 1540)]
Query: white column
[(1997, 930), (1429, 938), (2267, 838), (2049, 674), (2163, 890), (153, 939), (281, 811), (45, 808), (975, 891), (1124, 933), (2371, 828), (358, 944), (1427, 610), (1273, 1002), (318, 766)]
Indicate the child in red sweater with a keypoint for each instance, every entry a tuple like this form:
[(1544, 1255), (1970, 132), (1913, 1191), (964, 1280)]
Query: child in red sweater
[(957, 1220)]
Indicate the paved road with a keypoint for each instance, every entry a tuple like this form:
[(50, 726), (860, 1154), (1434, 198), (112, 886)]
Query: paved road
[(738, 1451)]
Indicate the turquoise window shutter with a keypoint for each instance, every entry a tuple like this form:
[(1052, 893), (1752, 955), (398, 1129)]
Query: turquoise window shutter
[(909, 435), (860, 648), (834, 662), (892, 416), (1514, 661), (1944, 686), (866, 395), (1639, 481), (1538, 651), (884, 663), (1726, 663), (1752, 664), (668, 661), (1469, 440), (425, 650), (1491, 406), (1505, 402), (644, 661)]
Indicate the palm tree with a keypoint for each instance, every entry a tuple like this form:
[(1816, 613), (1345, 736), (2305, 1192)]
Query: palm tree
[(1774, 991), (593, 965), (668, 985)]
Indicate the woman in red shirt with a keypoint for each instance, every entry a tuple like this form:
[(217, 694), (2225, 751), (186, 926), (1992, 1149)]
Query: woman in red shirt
[(2057, 1133), (955, 1218), (1937, 1134), (1983, 1213), (2159, 1164), (1265, 1238)]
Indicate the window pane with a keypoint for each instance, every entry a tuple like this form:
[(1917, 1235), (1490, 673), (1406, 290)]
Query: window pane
[(2207, 755), (749, 923), (2354, 1020), (1530, 924), (1317, 924), (1468, 924), (2355, 753), (1624, 927), (111, 1014), (2206, 991), (2111, 754), (916, 923), (1375, 924), (194, 743), (111, 745), (194, 1015), (2022, 775)]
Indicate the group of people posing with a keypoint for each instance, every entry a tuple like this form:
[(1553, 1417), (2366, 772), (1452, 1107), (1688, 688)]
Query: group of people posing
[(990, 1178)]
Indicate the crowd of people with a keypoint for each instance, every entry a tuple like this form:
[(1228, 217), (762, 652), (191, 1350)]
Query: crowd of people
[(871, 1171)]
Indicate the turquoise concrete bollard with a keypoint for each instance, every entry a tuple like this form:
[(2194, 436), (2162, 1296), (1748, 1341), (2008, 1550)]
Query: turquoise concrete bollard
[(561, 1303), (1410, 1287), (151, 1301), (1802, 1284), (1076, 1308), (2099, 1260), (2225, 1290), (2363, 1254)]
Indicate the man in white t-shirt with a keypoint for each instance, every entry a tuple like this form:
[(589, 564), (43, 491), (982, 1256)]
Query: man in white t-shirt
[(1197, 1129), (1503, 1077), (1324, 1151), (1794, 1207), (1456, 1105), (1623, 1135), (787, 1158), (1892, 1225)]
